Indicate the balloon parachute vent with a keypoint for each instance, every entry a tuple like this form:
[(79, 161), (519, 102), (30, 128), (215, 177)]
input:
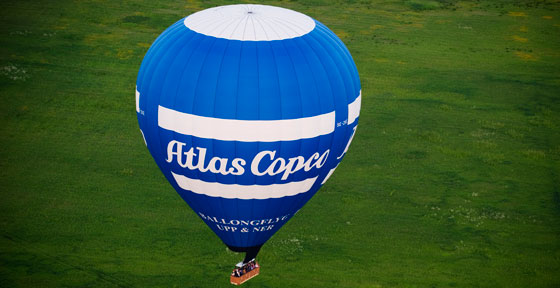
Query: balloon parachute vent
[(243, 272)]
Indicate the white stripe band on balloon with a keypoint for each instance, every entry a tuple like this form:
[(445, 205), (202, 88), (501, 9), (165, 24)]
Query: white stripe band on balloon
[(137, 101), (246, 192), (246, 130), (253, 130), (354, 109), (250, 22)]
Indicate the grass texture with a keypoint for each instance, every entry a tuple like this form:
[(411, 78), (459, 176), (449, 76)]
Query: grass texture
[(453, 178)]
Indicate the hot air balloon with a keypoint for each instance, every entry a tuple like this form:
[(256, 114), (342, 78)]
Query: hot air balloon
[(247, 110)]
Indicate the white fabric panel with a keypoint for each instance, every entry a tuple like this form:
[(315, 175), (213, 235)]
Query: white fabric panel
[(236, 191), (354, 109), (250, 22), (246, 130)]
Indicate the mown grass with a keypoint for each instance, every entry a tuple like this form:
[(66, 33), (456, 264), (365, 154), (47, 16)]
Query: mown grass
[(452, 179)]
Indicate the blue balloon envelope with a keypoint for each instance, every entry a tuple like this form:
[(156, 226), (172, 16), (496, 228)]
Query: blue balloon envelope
[(247, 110)]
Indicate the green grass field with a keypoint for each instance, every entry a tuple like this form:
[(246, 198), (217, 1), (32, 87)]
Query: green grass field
[(453, 178)]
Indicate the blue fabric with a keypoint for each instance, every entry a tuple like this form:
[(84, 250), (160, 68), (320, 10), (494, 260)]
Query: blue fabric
[(247, 80)]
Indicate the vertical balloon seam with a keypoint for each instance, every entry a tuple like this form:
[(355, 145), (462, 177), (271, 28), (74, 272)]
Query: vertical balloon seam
[(201, 22), (263, 238), (214, 109), (237, 112), (268, 201), (177, 46), (203, 58), (197, 96), (252, 18), (260, 239), (351, 71), (335, 39), (340, 65), (186, 47), (271, 29), (221, 24), (157, 98), (321, 45), (257, 237), (257, 18), (297, 80), (351, 67), (227, 26), (236, 145), (305, 56), (349, 60), (246, 19), (179, 41), (285, 20), (327, 83), (141, 85), (157, 64), (191, 201), (214, 23), (276, 208), (344, 74), (254, 30), (161, 42), (148, 58), (301, 202), (274, 52), (192, 198), (248, 45), (345, 57), (214, 205), (287, 53), (246, 23), (259, 95), (327, 43), (273, 19), (234, 30), (152, 50), (236, 177), (295, 77), (147, 87), (328, 35), (297, 201)]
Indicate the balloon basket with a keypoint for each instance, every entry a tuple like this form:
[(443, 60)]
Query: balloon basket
[(242, 274)]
